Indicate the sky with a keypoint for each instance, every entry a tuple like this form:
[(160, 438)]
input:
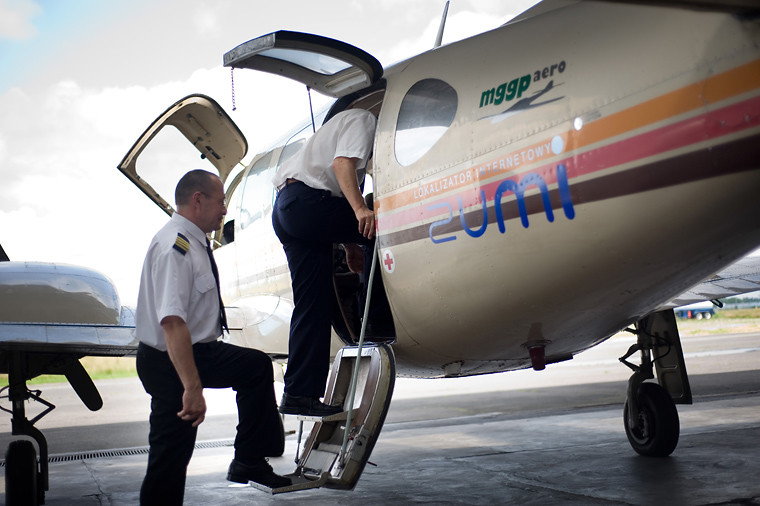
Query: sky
[(80, 80)]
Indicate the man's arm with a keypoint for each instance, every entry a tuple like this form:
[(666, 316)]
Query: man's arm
[(180, 349), (345, 172)]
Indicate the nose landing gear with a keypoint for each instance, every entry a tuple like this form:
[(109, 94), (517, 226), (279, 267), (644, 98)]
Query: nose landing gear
[(650, 416), (656, 428)]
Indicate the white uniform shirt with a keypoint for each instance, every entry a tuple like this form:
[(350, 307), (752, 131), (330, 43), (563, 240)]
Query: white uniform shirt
[(174, 283), (349, 133)]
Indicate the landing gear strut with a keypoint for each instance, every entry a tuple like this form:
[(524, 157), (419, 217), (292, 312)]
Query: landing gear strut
[(26, 475), (650, 416)]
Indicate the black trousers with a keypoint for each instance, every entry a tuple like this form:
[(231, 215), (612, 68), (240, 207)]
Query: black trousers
[(220, 365), (308, 222)]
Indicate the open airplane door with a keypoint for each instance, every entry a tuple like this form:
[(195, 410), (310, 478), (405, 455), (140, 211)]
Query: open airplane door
[(203, 122), (329, 66), (333, 68)]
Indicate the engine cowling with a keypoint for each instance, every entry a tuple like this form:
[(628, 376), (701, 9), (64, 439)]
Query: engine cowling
[(36, 292)]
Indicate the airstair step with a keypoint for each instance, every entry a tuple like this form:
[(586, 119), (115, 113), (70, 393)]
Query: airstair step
[(331, 418), (327, 447)]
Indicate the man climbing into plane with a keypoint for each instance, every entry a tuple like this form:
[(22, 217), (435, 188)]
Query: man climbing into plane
[(319, 202)]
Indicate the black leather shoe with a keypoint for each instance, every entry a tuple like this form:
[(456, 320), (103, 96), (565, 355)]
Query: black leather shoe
[(261, 473), (306, 406)]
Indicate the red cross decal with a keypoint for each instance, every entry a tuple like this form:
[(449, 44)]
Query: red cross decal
[(388, 261)]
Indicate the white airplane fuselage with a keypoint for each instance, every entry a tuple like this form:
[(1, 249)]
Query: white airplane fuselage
[(599, 160)]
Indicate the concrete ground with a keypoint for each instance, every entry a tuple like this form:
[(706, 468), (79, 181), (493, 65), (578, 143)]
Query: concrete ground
[(554, 437)]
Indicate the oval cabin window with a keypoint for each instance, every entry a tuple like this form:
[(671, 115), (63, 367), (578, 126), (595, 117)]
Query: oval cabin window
[(427, 111)]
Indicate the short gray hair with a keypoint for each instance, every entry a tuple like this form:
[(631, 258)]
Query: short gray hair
[(194, 181)]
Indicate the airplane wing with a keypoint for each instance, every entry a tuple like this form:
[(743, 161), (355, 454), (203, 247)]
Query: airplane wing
[(52, 315), (46, 307), (28, 350), (741, 277), (76, 339)]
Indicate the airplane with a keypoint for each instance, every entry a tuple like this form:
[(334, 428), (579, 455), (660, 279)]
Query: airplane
[(580, 170), (537, 188)]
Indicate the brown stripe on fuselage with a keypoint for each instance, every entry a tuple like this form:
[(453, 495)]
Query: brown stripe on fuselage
[(737, 156)]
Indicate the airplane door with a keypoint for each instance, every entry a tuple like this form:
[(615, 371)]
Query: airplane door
[(329, 66), (202, 122), (161, 156)]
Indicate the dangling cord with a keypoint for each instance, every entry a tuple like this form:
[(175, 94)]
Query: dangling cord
[(232, 81), (311, 108)]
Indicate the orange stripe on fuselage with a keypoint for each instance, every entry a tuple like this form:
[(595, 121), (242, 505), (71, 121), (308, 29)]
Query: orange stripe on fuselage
[(711, 90)]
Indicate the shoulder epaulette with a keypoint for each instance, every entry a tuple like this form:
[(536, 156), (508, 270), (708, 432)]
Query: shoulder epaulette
[(181, 244)]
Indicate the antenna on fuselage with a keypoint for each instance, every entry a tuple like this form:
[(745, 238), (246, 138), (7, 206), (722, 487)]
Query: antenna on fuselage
[(439, 38)]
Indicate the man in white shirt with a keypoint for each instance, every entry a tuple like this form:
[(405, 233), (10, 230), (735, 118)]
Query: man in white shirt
[(178, 320), (319, 203)]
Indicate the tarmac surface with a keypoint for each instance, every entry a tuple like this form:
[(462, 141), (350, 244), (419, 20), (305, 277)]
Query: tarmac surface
[(526, 437)]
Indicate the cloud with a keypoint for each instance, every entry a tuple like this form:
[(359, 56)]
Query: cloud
[(15, 19), (206, 18), (458, 26), (62, 198), (61, 137)]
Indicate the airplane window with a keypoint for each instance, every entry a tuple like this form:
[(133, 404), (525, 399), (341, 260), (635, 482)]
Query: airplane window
[(297, 139), (234, 191), (257, 191), (320, 63), (426, 113), (290, 150)]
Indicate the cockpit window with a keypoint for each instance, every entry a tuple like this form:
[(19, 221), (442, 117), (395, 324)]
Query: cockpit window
[(297, 138), (234, 198), (291, 149), (258, 192), (427, 111)]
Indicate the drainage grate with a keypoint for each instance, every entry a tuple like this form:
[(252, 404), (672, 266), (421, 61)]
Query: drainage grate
[(123, 452)]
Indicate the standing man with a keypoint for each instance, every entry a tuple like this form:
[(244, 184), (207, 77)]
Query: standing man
[(319, 203), (178, 320)]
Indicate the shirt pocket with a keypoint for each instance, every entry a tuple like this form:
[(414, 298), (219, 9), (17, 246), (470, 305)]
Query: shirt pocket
[(204, 282)]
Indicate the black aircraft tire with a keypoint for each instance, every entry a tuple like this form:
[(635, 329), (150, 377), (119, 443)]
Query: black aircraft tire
[(21, 474), (657, 434)]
